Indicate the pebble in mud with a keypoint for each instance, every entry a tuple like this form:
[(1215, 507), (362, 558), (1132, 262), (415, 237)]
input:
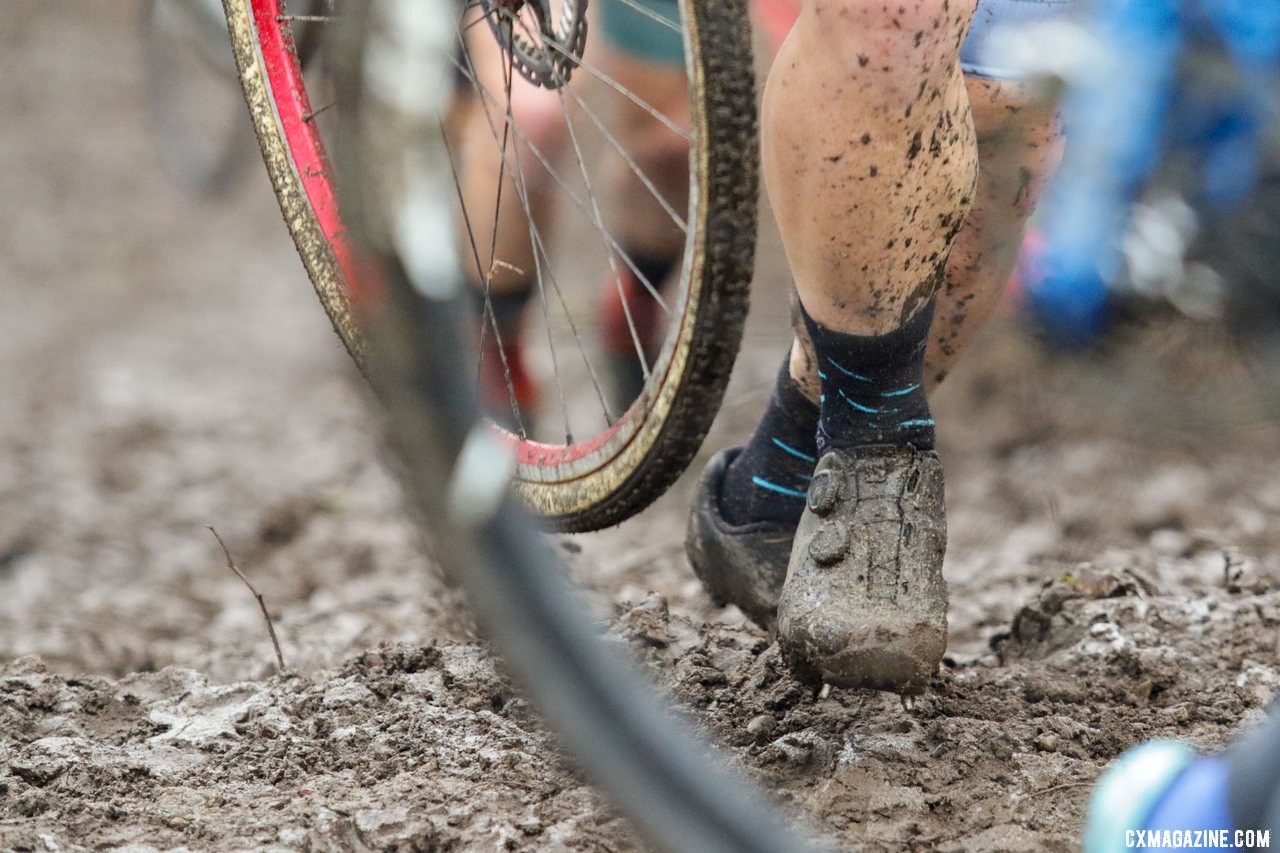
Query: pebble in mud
[(1170, 542), (1048, 742), (761, 727), (807, 748), (37, 770)]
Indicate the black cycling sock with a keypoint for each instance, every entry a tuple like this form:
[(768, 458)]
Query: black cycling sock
[(654, 268), (873, 385), (508, 308), (769, 478)]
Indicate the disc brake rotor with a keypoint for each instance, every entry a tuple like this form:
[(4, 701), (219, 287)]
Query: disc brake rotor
[(546, 56)]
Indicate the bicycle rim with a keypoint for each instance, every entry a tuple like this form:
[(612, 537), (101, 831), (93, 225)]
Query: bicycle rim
[(600, 475)]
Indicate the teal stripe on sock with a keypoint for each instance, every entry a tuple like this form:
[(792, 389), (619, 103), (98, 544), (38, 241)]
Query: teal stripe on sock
[(901, 392), (923, 422), (782, 490), (859, 406), (846, 371), (796, 453)]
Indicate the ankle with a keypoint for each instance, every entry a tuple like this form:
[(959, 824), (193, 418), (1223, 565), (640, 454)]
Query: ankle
[(769, 478), (502, 309), (873, 385)]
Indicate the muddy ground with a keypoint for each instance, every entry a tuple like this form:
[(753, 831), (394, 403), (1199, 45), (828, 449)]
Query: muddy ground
[(163, 366)]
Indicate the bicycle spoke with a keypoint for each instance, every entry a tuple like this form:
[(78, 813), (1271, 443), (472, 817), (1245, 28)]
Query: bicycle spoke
[(311, 116), (539, 247), (613, 265), (462, 202), (475, 251), (573, 330), (572, 196), (624, 91), (649, 13), (493, 252), (631, 163), (535, 240)]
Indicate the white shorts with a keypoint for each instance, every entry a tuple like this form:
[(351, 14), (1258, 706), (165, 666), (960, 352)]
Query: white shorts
[(1003, 13)]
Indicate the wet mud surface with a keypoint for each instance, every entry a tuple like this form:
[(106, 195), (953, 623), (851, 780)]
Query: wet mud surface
[(1113, 557)]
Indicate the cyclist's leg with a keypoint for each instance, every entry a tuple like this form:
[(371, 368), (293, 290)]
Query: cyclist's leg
[(739, 547), (870, 158), (856, 214), (1019, 144), (1018, 147), (866, 125)]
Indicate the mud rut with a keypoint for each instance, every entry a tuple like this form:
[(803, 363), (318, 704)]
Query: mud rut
[(1113, 556)]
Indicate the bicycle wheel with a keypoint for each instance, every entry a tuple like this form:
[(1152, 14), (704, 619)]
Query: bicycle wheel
[(656, 770), (589, 464)]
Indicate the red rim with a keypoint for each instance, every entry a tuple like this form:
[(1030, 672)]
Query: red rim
[(284, 75), (311, 164), (535, 453)]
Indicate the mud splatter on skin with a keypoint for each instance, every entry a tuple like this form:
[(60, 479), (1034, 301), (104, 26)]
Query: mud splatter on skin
[(914, 148), (1024, 186), (892, 261), (849, 278), (804, 359)]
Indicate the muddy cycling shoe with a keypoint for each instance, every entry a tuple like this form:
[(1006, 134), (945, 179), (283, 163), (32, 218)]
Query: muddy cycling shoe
[(743, 565), (864, 603)]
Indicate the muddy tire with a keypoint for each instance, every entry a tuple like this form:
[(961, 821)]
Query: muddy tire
[(596, 480)]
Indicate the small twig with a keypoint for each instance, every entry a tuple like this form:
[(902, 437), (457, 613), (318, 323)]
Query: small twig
[(1061, 787), (503, 265), (271, 629)]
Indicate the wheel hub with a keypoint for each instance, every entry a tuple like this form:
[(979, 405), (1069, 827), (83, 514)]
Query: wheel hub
[(545, 55)]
